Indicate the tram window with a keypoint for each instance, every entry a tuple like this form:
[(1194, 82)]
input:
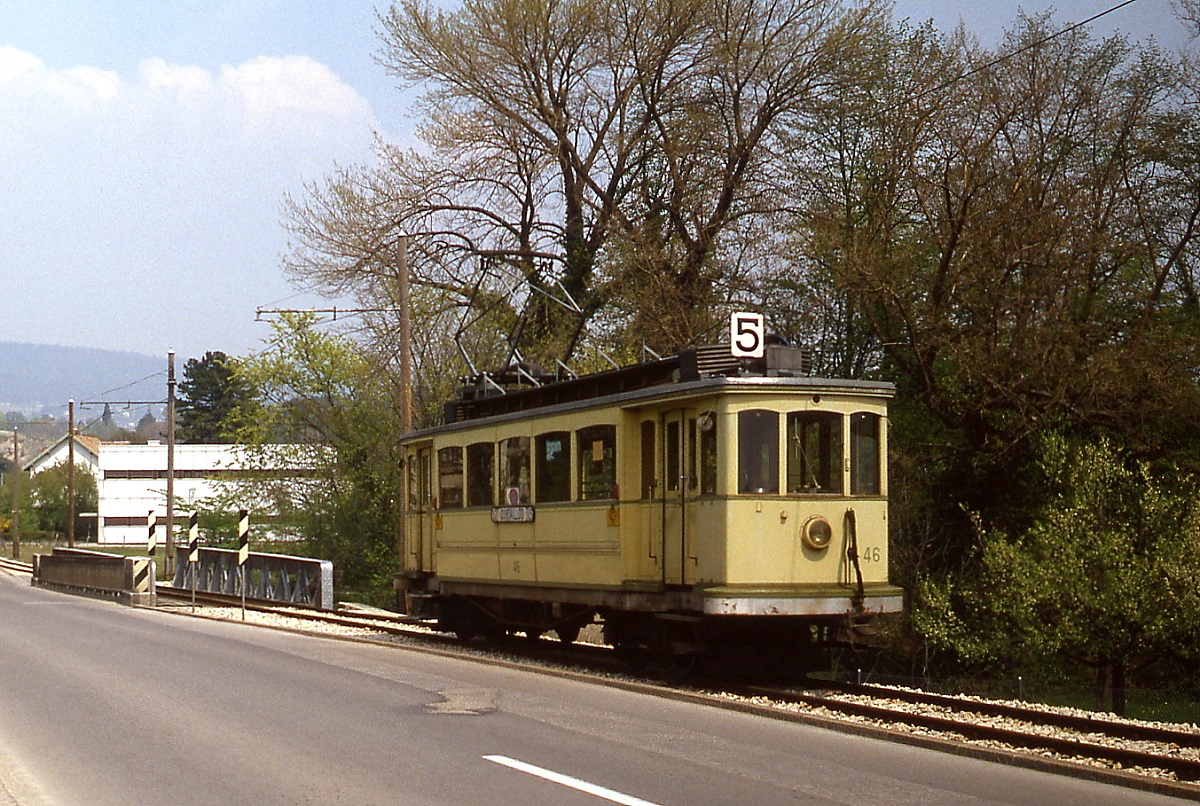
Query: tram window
[(514, 471), (597, 462), (414, 481), (758, 451), (864, 454), (481, 464), (814, 452), (648, 482), (450, 477), (708, 454), (553, 467), (673, 456), (692, 479)]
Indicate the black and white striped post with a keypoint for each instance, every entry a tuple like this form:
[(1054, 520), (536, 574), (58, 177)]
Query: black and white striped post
[(243, 552), (151, 534), (151, 538), (194, 551)]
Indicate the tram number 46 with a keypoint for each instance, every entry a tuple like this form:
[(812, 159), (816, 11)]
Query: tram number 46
[(870, 555), (746, 335)]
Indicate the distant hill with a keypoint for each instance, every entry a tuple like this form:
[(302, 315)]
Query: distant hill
[(37, 377)]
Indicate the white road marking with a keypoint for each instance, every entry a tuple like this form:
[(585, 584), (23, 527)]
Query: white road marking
[(573, 783)]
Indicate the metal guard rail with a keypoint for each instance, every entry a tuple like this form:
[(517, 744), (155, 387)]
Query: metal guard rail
[(271, 577)]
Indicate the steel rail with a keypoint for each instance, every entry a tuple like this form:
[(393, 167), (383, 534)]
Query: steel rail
[(395, 625), (16, 565), (1186, 768), (1083, 723)]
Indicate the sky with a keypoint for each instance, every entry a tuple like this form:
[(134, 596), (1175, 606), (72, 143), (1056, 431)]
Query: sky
[(146, 147)]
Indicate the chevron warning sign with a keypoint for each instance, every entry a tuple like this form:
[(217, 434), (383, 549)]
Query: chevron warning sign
[(194, 537), (243, 536)]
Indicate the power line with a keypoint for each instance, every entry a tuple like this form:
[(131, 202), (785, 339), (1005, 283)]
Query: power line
[(1023, 49), (260, 312), (131, 383)]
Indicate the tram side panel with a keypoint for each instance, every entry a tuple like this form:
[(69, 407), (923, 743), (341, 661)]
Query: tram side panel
[(578, 544), (575, 484), (804, 494)]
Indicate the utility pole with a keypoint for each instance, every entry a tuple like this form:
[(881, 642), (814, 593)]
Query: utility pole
[(169, 564), (405, 409), (70, 474), (16, 509), (405, 338)]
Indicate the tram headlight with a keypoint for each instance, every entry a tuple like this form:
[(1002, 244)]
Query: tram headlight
[(816, 533)]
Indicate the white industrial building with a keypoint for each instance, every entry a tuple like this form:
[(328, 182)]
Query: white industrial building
[(131, 480)]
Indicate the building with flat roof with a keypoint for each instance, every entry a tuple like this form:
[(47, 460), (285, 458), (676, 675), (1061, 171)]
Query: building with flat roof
[(131, 479)]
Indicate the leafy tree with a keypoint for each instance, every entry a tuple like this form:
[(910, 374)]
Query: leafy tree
[(212, 395), (1016, 247), (1020, 239), (48, 491), (27, 515), (342, 407), (1106, 576)]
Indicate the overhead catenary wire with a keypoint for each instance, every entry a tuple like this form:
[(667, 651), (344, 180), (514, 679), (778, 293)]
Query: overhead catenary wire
[(1024, 48)]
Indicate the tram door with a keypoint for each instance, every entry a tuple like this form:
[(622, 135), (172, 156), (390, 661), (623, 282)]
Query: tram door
[(418, 521), (680, 484)]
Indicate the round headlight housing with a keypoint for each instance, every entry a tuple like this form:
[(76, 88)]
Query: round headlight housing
[(816, 533)]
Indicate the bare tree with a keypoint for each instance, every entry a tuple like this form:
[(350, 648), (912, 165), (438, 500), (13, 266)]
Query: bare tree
[(599, 150)]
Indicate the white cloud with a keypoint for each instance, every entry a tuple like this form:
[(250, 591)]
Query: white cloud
[(270, 90), (14, 63), (24, 76), (186, 81), (124, 194)]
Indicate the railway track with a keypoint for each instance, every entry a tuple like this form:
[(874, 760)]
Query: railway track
[(579, 656), (1125, 744), (16, 565)]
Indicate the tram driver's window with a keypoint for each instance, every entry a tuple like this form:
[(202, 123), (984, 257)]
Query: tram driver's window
[(864, 454), (673, 468), (553, 467), (649, 480), (514, 471), (814, 440), (597, 462), (450, 477), (758, 452), (414, 481), (481, 464), (693, 479), (708, 453)]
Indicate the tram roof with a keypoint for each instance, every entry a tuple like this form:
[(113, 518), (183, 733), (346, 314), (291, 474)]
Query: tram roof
[(701, 370)]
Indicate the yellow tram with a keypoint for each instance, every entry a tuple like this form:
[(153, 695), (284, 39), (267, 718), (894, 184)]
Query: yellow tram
[(689, 503)]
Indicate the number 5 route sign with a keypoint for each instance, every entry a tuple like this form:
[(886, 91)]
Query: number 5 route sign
[(746, 335)]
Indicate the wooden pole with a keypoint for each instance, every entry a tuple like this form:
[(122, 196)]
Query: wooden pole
[(405, 411), (405, 338), (169, 560), (71, 474), (16, 496)]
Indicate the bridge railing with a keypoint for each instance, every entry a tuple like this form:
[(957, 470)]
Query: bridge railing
[(270, 577)]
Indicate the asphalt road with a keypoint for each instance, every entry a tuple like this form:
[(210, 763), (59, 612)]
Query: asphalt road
[(102, 704)]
